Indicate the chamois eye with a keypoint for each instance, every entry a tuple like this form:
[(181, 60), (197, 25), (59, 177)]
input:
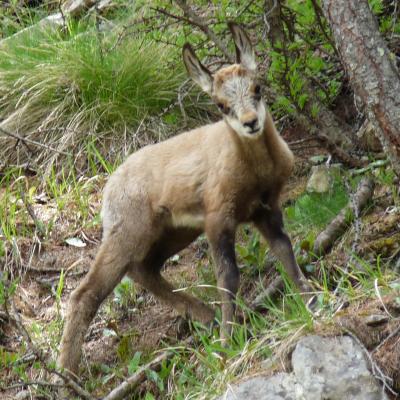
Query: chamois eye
[(257, 92), (224, 109)]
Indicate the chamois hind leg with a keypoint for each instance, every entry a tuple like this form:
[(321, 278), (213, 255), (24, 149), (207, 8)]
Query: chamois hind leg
[(148, 275), (185, 304), (108, 269), (270, 223)]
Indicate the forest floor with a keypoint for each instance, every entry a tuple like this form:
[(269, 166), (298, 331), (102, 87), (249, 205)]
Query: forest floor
[(50, 200), (131, 321)]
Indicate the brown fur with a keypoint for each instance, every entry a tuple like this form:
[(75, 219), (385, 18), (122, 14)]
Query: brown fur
[(164, 196)]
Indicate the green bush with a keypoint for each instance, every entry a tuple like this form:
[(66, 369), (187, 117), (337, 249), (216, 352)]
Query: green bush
[(80, 73)]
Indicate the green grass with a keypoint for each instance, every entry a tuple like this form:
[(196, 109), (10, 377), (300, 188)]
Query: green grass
[(315, 210), (14, 16), (79, 72), (60, 87)]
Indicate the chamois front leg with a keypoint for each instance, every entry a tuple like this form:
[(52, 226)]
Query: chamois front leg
[(269, 222), (222, 241)]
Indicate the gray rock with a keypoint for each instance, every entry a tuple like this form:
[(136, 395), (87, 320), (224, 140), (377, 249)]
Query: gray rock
[(320, 180), (23, 394), (278, 387), (323, 368), (334, 369)]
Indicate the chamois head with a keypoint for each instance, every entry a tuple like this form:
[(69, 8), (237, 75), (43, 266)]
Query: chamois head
[(234, 89)]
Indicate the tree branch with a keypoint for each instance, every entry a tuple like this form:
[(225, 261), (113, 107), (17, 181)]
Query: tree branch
[(66, 379), (204, 27), (339, 224), (34, 142), (130, 383)]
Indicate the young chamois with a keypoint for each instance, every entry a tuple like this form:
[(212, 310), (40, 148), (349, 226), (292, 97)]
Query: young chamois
[(209, 180)]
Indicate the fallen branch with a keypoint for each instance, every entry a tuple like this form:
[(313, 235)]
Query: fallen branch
[(67, 381), (38, 223), (32, 383), (52, 279), (338, 152), (340, 223), (30, 141), (271, 291), (130, 383)]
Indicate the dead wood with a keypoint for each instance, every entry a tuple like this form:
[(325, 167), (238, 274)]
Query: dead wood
[(38, 223), (65, 380), (26, 140), (271, 291), (371, 68), (138, 377), (340, 223)]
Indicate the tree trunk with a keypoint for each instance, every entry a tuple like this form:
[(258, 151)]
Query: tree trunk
[(338, 132), (371, 68)]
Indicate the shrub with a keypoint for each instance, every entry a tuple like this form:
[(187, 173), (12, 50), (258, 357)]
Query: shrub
[(66, 86)]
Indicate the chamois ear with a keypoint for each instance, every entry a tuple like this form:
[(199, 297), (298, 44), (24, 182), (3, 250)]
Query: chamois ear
[(244, 49), (196, 70)]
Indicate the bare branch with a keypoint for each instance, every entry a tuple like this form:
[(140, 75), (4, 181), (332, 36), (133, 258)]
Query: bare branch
[(66, 379), (339, 224), (34, 142), (130, 383), (204, 27)]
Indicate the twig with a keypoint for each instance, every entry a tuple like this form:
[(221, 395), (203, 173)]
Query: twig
[(72, 384), (245, 8), (168, 14), (301, 141), (34, 142), (318, 13), (394, 333), (60, 9), (204, 27), (31, 383), (43, 270), (378, 294), (38, 223), (265, 18), (52, 279), (66, 379), (271, 291), (130, 383), (98, 33), (339, 224)]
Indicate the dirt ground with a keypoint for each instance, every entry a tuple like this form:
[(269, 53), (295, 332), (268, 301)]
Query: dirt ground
[(146, 324)]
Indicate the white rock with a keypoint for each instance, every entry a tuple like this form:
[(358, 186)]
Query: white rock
[(323, 368), (320, 180), (277, 387), (335, 369)]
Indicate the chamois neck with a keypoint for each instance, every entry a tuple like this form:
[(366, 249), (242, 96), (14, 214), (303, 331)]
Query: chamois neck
[(278, 149), (270, 134)]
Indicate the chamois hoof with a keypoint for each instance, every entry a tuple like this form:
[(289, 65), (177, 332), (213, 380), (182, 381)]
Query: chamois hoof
[(309, 297), (182, 327)]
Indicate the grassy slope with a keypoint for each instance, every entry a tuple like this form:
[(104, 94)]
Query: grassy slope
[(202, 368), (71, 84)]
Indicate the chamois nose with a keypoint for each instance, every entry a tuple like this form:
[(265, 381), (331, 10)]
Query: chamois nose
[(251, 124)]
